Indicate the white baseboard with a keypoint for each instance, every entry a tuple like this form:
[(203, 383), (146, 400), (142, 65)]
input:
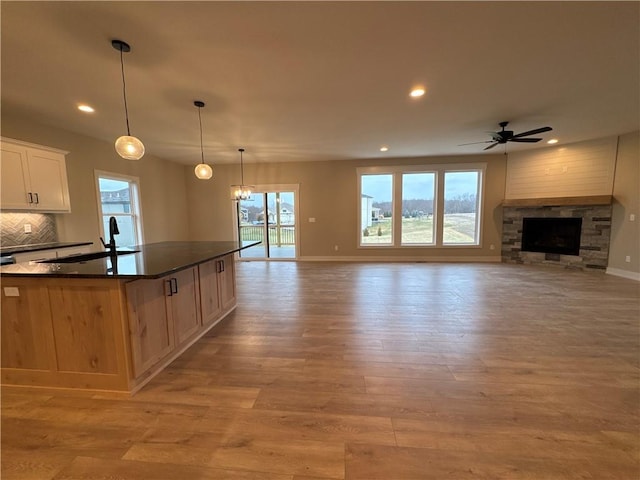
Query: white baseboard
[(623, 273), (414, 259)]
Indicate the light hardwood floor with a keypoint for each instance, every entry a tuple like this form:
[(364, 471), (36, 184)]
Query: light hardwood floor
[(369, 371)]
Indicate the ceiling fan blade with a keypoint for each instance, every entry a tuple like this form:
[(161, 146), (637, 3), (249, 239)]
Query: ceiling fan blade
[(474, 143), (491, 146), (533, 132), (525, 140)]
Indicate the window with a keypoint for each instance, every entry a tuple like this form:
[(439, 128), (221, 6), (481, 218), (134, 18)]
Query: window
[(118, 196), (376, 209), (435, 206), (418, 193), (461, 196)]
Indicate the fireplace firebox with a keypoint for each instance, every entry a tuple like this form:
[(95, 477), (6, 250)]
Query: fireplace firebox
[(558, 235)]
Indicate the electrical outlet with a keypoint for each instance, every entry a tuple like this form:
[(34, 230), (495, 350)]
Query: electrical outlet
[(627, 259), (335, 247), (27, 228), (492, 247), (312, 220), (632, 217), (11, 292)]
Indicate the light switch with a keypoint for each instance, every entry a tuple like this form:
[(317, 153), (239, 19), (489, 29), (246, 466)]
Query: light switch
[(312, 220), (11, 292), (632, 217)]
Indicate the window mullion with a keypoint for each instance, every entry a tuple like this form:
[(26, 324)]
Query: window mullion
[(438, 209), (397, 209)]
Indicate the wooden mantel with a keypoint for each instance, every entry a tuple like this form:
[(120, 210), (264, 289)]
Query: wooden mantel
[(558, 201)]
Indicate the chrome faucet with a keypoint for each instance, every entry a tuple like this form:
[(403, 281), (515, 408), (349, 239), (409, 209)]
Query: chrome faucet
[(113, 230)]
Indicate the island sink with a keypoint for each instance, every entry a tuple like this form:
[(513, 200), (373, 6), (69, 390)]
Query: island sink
[(88, 256)]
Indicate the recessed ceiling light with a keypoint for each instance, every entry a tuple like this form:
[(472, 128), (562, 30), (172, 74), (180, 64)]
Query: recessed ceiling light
[(86, 108), (552, 141), (417, 92), (384, 148)]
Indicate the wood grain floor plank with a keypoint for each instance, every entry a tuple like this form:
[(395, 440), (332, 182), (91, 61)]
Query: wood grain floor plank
[(393, 371)]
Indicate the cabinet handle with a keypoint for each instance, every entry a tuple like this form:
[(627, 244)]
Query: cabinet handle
[(37, 198), (173, 286), (222, 265), (30, 197)]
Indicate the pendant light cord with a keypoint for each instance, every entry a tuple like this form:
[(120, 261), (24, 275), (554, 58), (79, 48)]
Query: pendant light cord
[(241, 168), (124, 93), (201, 147)]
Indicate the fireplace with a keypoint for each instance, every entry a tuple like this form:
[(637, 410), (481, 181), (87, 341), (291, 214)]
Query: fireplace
[(559, 235), (589, 250)]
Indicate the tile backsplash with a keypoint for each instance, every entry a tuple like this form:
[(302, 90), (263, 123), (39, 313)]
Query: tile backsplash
[(12, 228)]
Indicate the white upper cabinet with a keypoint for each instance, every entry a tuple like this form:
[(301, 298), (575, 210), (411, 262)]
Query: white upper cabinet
[(33, 177)]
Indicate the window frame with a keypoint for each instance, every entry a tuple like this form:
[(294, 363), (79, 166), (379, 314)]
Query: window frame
[(135, 200), (377, 171), (479, 205), (438, 202)]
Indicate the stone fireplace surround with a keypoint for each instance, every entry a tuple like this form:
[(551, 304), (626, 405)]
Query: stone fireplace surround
[(594, 238)]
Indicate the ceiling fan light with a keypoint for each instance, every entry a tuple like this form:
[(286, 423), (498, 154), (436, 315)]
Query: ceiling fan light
[(129, 147), (203, 171)]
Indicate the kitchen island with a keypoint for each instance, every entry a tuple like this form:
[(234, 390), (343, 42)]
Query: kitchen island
[(112, 323)]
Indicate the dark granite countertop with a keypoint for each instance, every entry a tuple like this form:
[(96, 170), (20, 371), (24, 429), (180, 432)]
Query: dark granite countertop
[(152, 260), (35, 247)]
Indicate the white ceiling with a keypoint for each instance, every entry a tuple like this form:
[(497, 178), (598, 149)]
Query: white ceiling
[(298, 81)]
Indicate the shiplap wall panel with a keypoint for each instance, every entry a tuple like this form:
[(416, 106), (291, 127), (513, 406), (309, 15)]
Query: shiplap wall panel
[(580, 169)]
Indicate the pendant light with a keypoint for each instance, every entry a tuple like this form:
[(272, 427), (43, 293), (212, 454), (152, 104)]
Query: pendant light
[(203, 171), (242, 191), (127, 146)]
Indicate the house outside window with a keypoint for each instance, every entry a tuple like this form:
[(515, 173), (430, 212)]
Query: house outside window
[(118, 196)]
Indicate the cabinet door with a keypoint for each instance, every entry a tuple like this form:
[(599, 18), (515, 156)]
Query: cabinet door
[(48, 175), (184, 298), (227, 282), (150, 328), (14, 177), (209, 297)]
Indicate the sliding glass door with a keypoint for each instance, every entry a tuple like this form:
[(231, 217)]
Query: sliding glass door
[(269, 216)]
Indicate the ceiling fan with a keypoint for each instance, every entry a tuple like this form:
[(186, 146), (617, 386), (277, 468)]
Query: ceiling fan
[(505, 136)]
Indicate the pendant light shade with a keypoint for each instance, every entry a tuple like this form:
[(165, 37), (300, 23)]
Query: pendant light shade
[(202, 170), (127, 146), (242, 191)]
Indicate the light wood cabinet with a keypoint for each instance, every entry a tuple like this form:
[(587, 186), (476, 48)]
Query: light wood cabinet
[(150, 328), (227, 284), (164, 313), (108, 333), (217, 288), (183, 304), (63, 333), (33, 178)]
